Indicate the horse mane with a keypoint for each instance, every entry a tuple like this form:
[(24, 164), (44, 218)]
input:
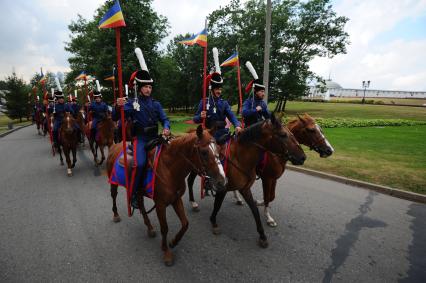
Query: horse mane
[(252, 132)]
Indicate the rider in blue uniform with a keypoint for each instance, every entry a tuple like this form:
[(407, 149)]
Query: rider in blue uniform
[(217, 110), (145, 114), (98, 109), (115, 116), (75, 106), (58, 110), (254, 108)]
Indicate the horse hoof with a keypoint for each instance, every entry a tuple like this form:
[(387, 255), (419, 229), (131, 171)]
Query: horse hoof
[(216, 230), (260, 202), (239, 202), (196, 209), (69, 173), (116, 219), (263, 243), (152, 233), (168, 259), (62, 163), (272, 223), (73, 165)]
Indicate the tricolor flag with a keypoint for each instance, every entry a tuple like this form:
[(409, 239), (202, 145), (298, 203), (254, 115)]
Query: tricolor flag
[(231, 61), (199, 38), (113, 18), (82, 76)]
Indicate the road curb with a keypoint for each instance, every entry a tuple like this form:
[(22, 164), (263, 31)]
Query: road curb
[(361, 184), (13, 130)]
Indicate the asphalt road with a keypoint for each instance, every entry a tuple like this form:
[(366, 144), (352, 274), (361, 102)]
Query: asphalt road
[(57, 228)]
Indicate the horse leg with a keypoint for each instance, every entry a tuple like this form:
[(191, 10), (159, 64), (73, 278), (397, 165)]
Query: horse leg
[(68, 159), (180, 212), (74, 156), (92, 148), (190, 181), (101, 148), (248, 197), (161, 214), (269, 186), (116, 217), (220, 196), (139, 197), (238, 199), (60, 154)]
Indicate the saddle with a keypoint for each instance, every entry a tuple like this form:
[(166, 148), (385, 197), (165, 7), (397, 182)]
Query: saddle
[(149, 148)]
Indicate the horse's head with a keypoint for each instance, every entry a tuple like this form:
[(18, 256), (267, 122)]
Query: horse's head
[(309, 133), (272, 136), (208, 159), (68, 122)]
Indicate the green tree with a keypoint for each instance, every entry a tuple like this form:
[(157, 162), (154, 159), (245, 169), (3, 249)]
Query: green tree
[(300, 31), (16, 97), (94, 50)]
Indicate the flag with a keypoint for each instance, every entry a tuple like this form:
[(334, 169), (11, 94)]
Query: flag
[(231, 61), (113, 18), (43, 79), (199, 38), (111, 78), (82, 76)]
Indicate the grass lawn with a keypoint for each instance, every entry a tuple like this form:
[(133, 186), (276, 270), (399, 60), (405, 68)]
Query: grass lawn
[(344, 110), (402, 101), (4, 121), (392, 156)]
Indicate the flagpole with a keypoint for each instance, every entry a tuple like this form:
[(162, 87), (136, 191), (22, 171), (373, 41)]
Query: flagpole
[(239, 86), (123, 125), (204, 76)]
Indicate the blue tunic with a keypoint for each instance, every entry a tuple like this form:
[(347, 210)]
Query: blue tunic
[(251, 115), (223, 111), (99, 111)]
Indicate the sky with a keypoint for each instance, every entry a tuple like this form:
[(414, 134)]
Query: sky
[(388, 38)]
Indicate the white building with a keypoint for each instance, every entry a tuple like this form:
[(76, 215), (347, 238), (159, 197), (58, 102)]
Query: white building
[(333, 89)]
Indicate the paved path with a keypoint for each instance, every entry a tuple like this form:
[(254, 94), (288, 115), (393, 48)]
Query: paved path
[(56, 228)]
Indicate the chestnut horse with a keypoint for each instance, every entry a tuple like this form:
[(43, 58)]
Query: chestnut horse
[(308, 133), (38, 119), (105, 132), (69, 137), (268, 135), (81, 121), (190, 152)]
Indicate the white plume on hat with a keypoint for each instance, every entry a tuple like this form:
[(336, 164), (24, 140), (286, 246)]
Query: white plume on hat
[(252, 70), (98, 86), (58, 85), (141, 59), (216, 60)]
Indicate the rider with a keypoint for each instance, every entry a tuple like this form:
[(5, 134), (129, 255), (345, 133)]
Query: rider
[(98, 109), (75, 105), (254, 108), (115, 115), (58, 110), (145, 113), (217, 108)]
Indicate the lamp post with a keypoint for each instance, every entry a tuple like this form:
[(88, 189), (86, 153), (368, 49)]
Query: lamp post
[(365, 85)]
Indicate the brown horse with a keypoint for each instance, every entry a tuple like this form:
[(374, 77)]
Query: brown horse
[(81, 121), (105, 129), (308, 133), (269, 136), (192, 151), (69, 137), (38, 118)]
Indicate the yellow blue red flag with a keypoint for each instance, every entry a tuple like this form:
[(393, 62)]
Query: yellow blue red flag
[(82, 76), (231, 61), (113, 18), (200, 39)]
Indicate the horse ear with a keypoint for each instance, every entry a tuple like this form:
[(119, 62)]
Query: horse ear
[(200, 132), (301, 119), (275, 121)]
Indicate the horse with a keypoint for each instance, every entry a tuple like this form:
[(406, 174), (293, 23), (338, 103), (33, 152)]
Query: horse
[(38, 118), (194, 151), (308, 133), (244, 151), (69, 137), (81, 121), (105, 132)]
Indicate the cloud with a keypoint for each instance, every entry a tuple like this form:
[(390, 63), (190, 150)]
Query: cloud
[(394, 63)]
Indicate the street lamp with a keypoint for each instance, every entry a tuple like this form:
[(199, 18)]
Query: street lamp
[(365, 85)]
